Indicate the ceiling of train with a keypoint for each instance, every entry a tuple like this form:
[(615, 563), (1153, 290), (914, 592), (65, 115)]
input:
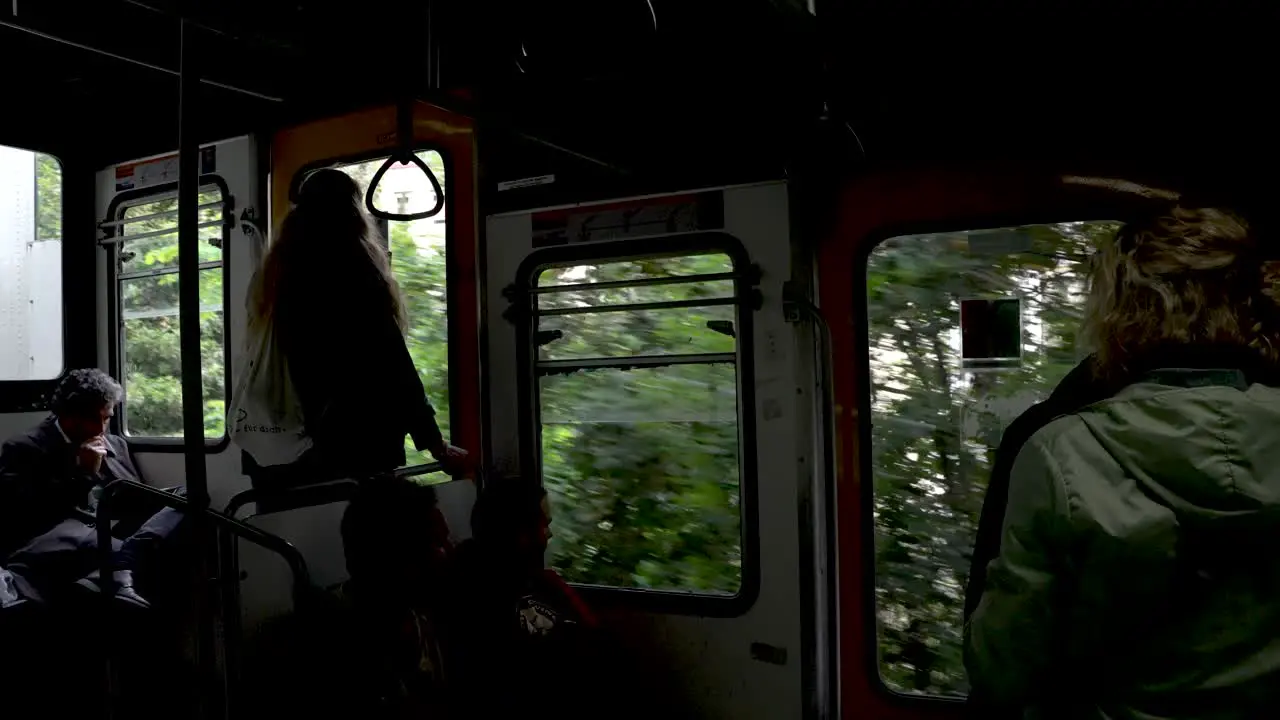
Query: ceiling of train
[(678, 88)]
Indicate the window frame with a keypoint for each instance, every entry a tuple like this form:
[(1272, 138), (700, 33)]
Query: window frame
[(746, 303), (450, 257), (863, 440), (120, 202), (33, 395)]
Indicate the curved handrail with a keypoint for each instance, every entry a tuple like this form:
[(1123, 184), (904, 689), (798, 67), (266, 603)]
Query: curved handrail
[(304, 496), (416, 470), (297, 563), (294, 498)]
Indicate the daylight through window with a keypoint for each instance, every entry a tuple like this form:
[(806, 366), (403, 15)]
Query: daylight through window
[(418, 261), (942, 393), (30, 265), (146, 272), (638, 408)]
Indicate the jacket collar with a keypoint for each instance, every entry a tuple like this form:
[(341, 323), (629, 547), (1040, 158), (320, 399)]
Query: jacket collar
[(1199, 365)]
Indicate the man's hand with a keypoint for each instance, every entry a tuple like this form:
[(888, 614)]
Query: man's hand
[(89, 456), (454, 460)]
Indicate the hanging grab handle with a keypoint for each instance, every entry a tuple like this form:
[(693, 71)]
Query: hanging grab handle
[(404, 155)]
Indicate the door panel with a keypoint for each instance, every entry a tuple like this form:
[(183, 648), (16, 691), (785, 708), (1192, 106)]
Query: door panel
[(1042, 234), (750, 663), (339, 141), (145, 187), (372, 133)]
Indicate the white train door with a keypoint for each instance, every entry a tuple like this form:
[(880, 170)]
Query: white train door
[(640, 364)]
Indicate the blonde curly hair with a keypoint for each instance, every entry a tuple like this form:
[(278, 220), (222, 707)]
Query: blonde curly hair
[(1187, 276)]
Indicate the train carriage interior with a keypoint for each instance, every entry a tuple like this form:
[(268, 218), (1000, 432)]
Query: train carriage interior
[(752, 287)]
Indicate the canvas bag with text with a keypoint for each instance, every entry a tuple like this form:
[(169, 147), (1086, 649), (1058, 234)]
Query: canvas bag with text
[(265, 417)]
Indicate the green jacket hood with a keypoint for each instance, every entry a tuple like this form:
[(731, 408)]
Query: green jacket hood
[(1206, 447)]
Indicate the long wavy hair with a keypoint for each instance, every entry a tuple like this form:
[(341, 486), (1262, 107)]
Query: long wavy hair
[(1188, 276), (325, 245)]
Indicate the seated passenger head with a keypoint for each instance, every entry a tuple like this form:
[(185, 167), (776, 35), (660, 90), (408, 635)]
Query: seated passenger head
[(513, 516), (84, 402), (326, 241), (1190, 276), (394, 536)]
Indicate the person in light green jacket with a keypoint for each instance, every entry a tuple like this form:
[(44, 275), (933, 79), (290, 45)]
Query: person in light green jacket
[(1139, 566)]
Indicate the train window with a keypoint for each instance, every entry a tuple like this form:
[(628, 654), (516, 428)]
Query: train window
[(30, 265), (145, 266), (418, 252), (638, 407), (939, 404)]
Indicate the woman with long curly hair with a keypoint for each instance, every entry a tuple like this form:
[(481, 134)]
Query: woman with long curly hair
[(327, 294), (1137, 575)]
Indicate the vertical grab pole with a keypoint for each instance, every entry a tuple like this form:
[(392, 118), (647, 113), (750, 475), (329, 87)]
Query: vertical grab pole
[(192, 375)]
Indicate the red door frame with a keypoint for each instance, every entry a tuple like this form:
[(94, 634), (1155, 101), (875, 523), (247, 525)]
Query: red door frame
[(871, 209)]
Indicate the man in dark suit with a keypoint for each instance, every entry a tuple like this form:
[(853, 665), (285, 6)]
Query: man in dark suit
[(49, 481)]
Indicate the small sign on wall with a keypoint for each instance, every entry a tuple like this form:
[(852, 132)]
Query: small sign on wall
[(990, 333), (161, 170), (629, 219)]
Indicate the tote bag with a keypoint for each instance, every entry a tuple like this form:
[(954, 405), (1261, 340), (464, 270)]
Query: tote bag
[(265, 416)]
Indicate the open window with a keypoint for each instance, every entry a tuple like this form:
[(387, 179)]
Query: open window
[(31, 320), (965, 331), (638, 376), (142, 237)]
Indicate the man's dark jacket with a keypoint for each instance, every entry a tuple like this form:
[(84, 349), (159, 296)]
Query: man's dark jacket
[(41, 485)]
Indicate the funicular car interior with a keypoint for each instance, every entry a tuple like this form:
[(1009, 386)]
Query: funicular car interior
[(820, 168)]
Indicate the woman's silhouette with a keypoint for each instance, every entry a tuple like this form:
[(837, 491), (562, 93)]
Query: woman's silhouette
[(327, 294)]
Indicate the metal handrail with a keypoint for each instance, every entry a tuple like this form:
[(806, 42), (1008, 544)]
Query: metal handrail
[(284, 500), (297, 563), (304, 496), (293, 499), (230, 527)]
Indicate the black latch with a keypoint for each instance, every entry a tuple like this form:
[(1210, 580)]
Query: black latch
[(768, 653), (724, 327), (546, 337), (249, 222), (791, 302)]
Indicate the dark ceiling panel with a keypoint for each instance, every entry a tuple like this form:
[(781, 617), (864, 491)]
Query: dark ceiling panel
[(720, 88)]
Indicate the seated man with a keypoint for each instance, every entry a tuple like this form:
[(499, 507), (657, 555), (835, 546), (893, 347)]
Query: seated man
[(49, 478)]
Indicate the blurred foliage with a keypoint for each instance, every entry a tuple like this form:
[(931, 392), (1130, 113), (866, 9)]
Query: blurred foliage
[(642, 464), (935, 425), (150, 326), (48, 197)]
